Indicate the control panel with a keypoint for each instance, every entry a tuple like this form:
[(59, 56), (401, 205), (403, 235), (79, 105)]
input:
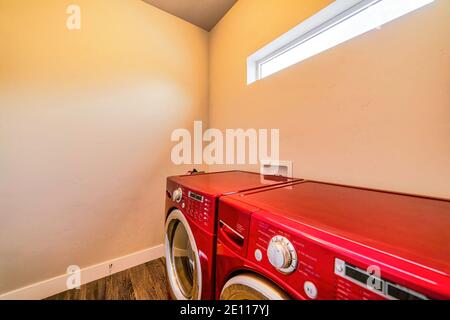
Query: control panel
[(200, 208), (368, 279), (289, 257), (315, 269)]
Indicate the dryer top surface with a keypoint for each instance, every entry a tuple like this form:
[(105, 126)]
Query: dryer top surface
[(227, 182)]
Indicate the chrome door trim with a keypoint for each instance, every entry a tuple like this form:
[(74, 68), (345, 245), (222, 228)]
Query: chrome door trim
[(258, 283), (170, 268)]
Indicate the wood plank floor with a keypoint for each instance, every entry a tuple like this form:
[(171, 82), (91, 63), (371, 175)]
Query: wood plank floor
[(144, 282)]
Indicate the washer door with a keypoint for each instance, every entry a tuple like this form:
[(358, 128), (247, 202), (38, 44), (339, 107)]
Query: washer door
[(182, 259), (250, 286)]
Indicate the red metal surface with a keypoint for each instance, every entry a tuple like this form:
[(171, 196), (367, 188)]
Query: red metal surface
[(227, 182), (202, 216), (407, 237)]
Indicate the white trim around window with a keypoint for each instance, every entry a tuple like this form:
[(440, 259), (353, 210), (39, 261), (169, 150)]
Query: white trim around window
[(337, 23)]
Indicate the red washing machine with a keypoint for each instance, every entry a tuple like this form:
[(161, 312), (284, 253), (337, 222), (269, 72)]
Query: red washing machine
[(190, 227), (313, 240)]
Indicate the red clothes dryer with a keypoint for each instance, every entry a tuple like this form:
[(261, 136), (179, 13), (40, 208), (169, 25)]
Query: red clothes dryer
[(314, 240), (190, 227)]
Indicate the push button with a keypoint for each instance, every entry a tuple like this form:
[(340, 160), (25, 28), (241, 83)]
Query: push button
[(258, 255), (310, 289)]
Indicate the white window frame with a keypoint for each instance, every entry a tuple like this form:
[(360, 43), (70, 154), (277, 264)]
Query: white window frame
[(330, 16)]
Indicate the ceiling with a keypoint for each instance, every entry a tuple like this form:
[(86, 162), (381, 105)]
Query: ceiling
[(203, 13)]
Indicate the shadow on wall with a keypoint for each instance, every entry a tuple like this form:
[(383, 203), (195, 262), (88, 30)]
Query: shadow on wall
[(85, 123)]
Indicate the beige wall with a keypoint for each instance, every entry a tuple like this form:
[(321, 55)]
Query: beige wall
[(85, 123), (372, 112), (85, 116)]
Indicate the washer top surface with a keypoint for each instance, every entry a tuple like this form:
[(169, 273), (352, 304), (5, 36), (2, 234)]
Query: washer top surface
[(414, 228), (228, 182)]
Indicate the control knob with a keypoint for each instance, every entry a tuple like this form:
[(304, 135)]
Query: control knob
[(177, 195), (282, 254)]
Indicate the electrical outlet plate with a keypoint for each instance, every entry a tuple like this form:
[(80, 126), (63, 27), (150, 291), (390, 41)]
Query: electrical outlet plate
[(277, 168)]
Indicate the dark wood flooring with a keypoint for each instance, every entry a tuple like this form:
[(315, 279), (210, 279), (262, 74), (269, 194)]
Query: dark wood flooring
[(144, 282)]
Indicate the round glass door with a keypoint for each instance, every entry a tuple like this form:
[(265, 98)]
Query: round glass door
[(182, 262)]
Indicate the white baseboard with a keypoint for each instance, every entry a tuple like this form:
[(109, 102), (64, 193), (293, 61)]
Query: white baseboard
[(49, 287)]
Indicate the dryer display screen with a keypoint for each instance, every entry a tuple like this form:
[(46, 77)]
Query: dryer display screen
[(386, 288), (402, 293), (356, 275), (195, 196)]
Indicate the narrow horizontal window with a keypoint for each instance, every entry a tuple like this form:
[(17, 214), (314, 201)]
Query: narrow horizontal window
[(337, 23)]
